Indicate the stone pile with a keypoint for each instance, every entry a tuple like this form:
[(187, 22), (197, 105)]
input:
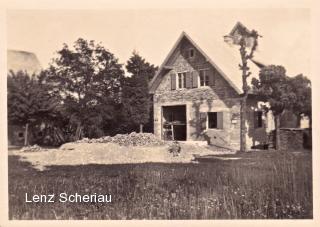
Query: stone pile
[(132, 139), (33, 148)]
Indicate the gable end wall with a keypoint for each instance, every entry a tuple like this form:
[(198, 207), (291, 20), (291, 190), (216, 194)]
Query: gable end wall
[(220, 97)]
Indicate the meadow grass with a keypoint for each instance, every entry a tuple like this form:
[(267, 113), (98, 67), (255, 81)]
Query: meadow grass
[(260, 185)]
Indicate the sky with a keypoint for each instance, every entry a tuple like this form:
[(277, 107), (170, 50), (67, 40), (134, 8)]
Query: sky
[(286, 32)]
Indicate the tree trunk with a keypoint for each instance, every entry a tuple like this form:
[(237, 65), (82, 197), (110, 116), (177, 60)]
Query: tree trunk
[(277, 126), (243, 109), (26, 139), (243, 128), (298, 125), (141, 128), (78, 132)]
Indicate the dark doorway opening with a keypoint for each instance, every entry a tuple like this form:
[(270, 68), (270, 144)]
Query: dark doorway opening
[(174, 123)]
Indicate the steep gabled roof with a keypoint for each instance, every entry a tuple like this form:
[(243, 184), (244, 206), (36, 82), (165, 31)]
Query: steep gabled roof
[(223, 57)]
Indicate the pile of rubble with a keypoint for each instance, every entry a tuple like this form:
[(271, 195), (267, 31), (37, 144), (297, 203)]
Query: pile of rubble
[(132, 139), (33, 148)]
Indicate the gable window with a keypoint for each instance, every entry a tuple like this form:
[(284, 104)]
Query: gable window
[(191, 53), (258, 121), (204, 78), (182, 80)]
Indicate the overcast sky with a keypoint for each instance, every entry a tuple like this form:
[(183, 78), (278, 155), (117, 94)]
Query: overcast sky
[(286, 32)]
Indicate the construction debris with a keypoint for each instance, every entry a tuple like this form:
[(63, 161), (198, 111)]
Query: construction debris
[(33, 148), (132, 139)]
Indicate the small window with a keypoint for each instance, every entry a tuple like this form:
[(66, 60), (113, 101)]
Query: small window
[(182, 80), (191, 53), (212, 120), (20, 134), (204, 78), (258, 121)]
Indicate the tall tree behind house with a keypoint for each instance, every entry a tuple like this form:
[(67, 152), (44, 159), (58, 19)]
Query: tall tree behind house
[(274, 86), (301, 106), (136, 100)]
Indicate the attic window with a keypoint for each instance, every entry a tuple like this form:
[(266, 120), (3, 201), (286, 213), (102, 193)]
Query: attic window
[(191, 53)]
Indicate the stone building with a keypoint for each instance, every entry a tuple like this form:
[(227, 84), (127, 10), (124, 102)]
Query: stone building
[(197, 93)]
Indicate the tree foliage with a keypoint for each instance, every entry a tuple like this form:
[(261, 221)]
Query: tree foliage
[(283, 93), (136, 100), (274, 86), (29, 102), (301, 87), (87, 78)]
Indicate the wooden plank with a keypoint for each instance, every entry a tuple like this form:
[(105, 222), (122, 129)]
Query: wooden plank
[(220, 120), (173, 81), (188, 80), (194, 79), (211, 77)]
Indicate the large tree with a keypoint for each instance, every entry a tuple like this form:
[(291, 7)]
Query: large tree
[(283, 93), (29, 102), (301, 106), (274, 86), (87, 78), (247, 50), (136, 100)]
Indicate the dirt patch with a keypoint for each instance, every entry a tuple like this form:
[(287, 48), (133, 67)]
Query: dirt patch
[(110, 153)]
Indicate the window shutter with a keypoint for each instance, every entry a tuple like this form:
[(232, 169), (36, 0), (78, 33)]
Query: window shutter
[(211, 77), (203, 121), (188, 80), (220, 120), (173, 81), (194, 79)]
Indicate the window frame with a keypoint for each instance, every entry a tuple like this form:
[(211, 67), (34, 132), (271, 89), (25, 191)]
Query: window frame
[(216, 116), (184, 82), (189, 52), (206, 77)]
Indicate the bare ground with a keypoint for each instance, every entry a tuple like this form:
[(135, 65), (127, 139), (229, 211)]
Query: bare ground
[(111, 153)]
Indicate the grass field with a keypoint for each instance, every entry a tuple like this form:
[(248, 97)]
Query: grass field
[(259, 185)]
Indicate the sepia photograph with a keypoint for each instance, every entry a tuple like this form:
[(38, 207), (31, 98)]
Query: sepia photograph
[(159, 114)]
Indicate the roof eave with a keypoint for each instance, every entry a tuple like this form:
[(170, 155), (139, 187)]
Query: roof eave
[(151, 89)]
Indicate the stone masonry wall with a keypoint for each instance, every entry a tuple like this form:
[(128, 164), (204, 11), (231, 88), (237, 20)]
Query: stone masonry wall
[(220, 97), (291, 139)]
